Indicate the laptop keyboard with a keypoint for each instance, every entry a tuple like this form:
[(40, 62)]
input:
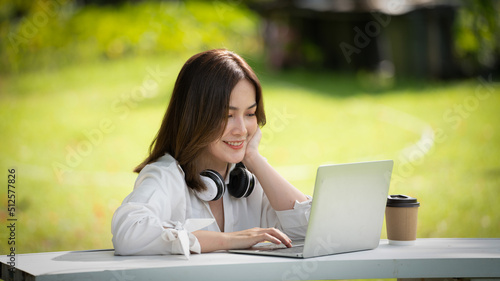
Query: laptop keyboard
[(292, 250), (269, 247)]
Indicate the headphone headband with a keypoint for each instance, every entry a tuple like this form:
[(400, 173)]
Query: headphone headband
[(241, 183)]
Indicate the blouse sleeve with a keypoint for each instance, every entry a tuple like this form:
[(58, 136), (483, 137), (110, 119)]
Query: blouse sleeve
[(292, 222), (142, 225)]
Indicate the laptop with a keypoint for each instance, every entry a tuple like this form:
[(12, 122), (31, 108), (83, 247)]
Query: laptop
[(347, 212)]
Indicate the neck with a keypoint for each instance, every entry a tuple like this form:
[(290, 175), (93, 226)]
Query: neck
[(206, 162)]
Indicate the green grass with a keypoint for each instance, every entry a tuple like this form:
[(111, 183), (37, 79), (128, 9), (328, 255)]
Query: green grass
[(87, 120)]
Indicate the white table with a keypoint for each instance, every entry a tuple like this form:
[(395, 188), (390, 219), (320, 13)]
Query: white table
[(428, 258)]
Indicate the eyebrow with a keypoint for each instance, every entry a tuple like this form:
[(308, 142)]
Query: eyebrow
[(235, 108)]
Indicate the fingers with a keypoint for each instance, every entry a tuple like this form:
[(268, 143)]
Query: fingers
[(258, 135), (277, 237), (254, 140), (272, 235)]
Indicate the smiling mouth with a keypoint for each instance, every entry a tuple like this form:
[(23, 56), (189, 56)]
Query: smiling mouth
[(235, 144)]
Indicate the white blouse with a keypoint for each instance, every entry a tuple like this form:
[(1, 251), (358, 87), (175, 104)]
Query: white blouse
[(161, 212)]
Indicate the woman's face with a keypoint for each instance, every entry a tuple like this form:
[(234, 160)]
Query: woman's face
[(241, 126)]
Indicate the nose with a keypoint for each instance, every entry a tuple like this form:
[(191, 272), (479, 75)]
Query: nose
[(239, 126)]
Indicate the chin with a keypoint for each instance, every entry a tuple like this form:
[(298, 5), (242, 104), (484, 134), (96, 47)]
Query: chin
[(236, 159)]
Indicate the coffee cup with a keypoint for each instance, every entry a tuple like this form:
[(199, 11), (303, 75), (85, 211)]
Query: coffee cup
[(401, 215)]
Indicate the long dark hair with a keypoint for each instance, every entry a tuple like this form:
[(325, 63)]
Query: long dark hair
[(198, 107)]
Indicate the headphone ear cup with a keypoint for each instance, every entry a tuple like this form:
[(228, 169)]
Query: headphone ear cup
[(215, 186), (241, 182)]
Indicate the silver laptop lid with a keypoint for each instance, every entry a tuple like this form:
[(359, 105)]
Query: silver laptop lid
[(349, 207)]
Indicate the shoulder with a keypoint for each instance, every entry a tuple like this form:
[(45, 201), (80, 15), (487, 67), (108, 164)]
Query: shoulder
[(165, 173), (164, 165), (160, 188)]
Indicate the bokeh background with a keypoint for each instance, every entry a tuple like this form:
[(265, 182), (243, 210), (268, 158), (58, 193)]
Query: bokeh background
[(84, 86)]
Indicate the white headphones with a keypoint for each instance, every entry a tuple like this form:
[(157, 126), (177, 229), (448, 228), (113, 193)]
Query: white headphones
[(241, 184)]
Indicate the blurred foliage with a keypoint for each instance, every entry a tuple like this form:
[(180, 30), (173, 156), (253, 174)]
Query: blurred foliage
[(47, 34), (478, 34), (50, 33)]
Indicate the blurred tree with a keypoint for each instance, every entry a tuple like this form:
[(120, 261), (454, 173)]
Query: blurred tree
[(47, 34), (106, 2), (478, 35), (14, 9), (440, 39)]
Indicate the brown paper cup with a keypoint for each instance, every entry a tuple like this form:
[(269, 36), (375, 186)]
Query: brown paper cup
[(401, 221)]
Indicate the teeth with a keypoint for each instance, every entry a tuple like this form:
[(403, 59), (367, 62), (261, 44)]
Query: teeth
[(234, 143)]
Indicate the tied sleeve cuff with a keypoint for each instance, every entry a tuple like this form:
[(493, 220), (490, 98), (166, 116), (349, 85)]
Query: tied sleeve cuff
[(296, 217), (183, 241)]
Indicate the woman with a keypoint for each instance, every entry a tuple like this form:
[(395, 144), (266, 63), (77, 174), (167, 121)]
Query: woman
[(211, 123)]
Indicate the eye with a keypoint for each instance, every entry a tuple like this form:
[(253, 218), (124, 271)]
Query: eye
[(251, 113)]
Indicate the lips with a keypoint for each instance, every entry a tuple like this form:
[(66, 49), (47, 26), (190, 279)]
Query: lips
[(235, 144)]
